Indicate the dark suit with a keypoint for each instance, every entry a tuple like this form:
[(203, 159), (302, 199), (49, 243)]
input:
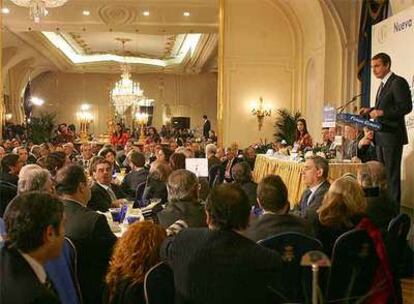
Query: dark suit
[(18, 282), (100, 198), (381, 210), (268, 225), (308, 208), (395, 100), (191, 212), (94, 241), (250, 188), (217, 266), (206, 128), (132, 180), (224, 165)]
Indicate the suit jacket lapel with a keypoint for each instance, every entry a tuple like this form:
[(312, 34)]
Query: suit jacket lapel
[(384, 90)]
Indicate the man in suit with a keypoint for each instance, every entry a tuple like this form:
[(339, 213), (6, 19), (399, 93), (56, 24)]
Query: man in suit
[(34, 223), (242, 175), (137, 175), (206, 127), (10, 168), (183, 201), (392, 103), (88, 230), (272, 196), (211, 150), (231, 160), (218, 264), (314, 174), (85, 156), (105, 194)]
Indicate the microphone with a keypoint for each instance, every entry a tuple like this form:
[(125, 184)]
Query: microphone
[(341, 108)]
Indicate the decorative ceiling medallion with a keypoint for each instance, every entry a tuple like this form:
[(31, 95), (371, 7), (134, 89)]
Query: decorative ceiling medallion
[(117, 15)]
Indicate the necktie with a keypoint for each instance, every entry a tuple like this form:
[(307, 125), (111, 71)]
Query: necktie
[(49, 286), (305, 199), (111, 193), (379, 92)]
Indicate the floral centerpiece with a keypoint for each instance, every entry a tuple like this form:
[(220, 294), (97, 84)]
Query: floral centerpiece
[(262, 147)]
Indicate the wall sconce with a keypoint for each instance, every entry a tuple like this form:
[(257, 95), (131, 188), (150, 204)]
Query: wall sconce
[(261, 110), (142, 120), (8, 116)]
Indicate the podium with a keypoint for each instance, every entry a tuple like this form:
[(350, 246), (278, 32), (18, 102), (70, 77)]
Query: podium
[(358, 121)]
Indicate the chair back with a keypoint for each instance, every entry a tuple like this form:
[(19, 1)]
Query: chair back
[(2, 232), (159, 285), (354, 263), (297, 279), (139, 203), (215, 175), (62, 273)]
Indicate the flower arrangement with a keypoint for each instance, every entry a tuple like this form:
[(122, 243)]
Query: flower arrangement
[(262, 147)]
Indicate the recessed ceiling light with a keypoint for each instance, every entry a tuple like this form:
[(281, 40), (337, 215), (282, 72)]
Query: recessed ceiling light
[(146, 13), (5, 10), (86, 13), (186, 14)]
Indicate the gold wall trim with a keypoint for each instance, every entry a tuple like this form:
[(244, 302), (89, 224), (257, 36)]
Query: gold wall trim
[(220, 89)]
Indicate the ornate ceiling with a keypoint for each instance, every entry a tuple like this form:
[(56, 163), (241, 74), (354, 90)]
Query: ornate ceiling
[(161, 39)]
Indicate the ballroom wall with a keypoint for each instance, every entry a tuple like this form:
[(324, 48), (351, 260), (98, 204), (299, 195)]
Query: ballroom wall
[(189, 95)]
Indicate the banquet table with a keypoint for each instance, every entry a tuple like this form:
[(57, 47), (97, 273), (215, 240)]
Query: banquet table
[(290, 172)]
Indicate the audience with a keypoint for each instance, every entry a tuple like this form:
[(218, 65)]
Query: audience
[(110, 155), (218, 264), (249, 156), (272, 197), (231, 160), (55, 161), (315, 176), (105, 194), (137, 175), (211, 150), (242, 175), (155, 187), (177, 161), (10, 168), (350, 143), (134, 254), (34, 178), (366, 150), (86, 155), (183, 200), (35, 233), (326, 139), (119, 136)]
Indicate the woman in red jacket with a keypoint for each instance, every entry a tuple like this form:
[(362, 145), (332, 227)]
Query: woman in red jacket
[(119, 137)]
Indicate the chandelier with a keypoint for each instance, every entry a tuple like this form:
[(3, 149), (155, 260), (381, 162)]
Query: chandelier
[(126, 92), (38, 7)]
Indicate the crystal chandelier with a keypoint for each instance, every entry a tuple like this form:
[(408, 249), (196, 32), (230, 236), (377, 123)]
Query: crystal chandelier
[(126, 92), (38, 7)]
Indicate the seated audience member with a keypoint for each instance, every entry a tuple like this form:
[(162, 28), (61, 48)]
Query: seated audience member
[(121, 155), (64, 134), (163, 154), (343, 207), (249, 156), (23, 154), (326, 141), (211, 151), (137, 175), (134, 254), (2, 152), (218, 264), (55, 161), (70, 151), (332, 135), (119, 137), (110, 156), (183, 201), (366, 150), (272, 196), (156, 187), (198, 152), (88, 230), (302, 139), (231, 160), (44, 150), (350, 143), (173, 146), (34, 178), (314, 175), (381, 208), (85, 157), (10, 168), (105, 194), (177, 161), (35, 234), (220, 154), (242, 175)]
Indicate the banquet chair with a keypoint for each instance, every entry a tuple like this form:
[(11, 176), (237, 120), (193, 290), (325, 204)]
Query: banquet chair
[(215, 175), (159, 285), (297, 280), (62, 273), (354, 263), (139, 203)]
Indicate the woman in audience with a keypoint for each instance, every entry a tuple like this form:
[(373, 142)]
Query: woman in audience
[(134, 254), (110, 156), (177, 161), (34, 178), (302, 139), (55, 161), (163, 154), (156, 187), (343, 207), (119, 137)]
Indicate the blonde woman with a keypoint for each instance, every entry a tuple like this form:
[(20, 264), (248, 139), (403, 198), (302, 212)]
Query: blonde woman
[(343, 207)]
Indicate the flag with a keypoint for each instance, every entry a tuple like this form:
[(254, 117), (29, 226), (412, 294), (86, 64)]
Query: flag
[(372, 12)]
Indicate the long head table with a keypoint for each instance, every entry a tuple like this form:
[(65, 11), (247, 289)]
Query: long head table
[(290, 172)]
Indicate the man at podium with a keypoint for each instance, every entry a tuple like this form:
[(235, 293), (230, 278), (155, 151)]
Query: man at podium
[(392, 103)]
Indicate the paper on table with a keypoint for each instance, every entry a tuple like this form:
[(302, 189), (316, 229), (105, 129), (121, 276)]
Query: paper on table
[(199, 166)]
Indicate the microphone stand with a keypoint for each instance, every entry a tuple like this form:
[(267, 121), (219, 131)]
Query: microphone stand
[(342, 108)]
